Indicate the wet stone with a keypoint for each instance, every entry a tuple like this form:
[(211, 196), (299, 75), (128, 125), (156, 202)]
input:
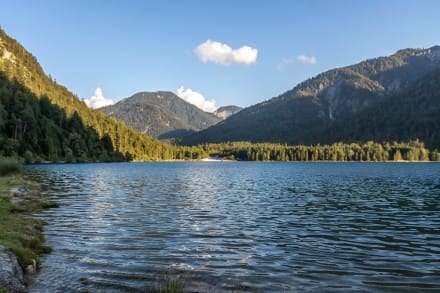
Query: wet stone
[(11, 274)]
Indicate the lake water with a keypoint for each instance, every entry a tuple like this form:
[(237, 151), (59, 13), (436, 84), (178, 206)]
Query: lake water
[(269, 227)]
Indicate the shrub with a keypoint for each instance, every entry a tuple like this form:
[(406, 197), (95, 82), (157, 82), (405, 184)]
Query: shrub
[(10, 166), (29, 157)]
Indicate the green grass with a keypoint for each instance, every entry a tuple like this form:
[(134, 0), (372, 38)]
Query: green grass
[(171, 286), (10, 166), (171, 282), (8, 182), (18, 230)]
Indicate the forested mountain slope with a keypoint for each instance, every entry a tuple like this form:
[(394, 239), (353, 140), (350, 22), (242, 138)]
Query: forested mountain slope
[(42, 118), (300, 115), (411, 114), (160, 114)]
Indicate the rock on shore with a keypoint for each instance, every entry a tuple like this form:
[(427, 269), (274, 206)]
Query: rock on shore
[(11, 274)]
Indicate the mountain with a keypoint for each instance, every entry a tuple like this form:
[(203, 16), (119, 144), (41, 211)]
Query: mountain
[(411, 114), (160, 114), (226, 111), (300, 115), (40, 119)]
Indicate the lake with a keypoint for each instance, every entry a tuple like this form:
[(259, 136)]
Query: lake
[(241, 226)]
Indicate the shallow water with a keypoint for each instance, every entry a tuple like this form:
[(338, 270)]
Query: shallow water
[(241, 226)]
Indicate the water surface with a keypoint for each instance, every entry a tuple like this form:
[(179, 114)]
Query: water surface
[(268, 227)]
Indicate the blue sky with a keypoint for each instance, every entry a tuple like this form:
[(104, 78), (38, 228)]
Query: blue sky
[(124, 47)]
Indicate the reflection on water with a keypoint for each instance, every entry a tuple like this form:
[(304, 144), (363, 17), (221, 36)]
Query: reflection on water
[(241, 226)]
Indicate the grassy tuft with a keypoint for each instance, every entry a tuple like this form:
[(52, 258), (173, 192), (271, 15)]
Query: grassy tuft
[(10, 166), (18, 230), (22, 234), (171, 282)]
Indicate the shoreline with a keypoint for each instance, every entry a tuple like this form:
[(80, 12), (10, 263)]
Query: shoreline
[(219, 159), (22, 240)]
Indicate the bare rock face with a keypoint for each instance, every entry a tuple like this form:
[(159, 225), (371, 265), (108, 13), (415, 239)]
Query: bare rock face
[(434, 53), (11, 274), (226, 111)]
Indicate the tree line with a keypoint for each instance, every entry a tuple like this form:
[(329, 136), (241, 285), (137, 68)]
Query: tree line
[(35, 129), (366, 152)]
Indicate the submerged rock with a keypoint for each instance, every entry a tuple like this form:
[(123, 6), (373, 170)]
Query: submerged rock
[(11, 274)]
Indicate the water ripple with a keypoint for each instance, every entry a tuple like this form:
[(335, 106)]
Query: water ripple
[(241, 227)]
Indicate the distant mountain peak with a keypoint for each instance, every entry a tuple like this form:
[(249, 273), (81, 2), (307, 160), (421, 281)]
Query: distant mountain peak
[(160, 114)]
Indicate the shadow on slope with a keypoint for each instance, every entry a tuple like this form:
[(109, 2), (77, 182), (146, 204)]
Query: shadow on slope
[(34, 128)]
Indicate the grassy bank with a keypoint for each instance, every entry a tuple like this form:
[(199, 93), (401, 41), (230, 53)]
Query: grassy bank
[(19, 199)]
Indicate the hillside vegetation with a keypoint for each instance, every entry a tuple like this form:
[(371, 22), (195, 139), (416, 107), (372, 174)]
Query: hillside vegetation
[(160, 114), (411, 114), (40, 119), (301, 115), (386, 99), (367, 152)]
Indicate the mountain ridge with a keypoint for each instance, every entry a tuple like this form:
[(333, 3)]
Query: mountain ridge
[(160, 114), (24, 76), (296, 116), (420, 104)]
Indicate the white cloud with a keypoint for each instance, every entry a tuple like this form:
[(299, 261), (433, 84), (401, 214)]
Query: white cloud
[(307, 59), (284, 63), (223, 54), (98, 100), (197, 99)]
